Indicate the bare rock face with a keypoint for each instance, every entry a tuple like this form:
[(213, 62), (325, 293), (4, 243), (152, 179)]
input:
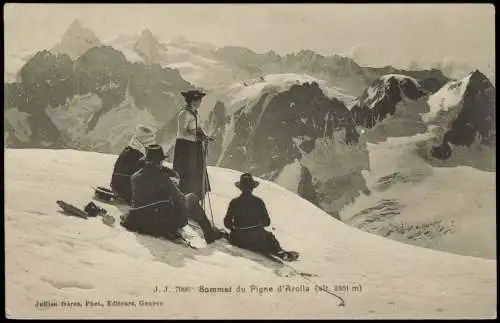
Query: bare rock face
[(463, 113), (477, 115), (381, 98), (279, 135), (100, 88)]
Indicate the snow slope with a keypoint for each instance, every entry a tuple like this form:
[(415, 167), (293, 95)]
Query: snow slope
[(52, 257), (448, 97), (445, 208), (422, 193)]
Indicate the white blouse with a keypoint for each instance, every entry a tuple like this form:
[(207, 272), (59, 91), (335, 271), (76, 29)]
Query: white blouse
[(186, 126)]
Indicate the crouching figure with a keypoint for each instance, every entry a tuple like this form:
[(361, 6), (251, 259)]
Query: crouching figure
[(158, 207), (247, 218)]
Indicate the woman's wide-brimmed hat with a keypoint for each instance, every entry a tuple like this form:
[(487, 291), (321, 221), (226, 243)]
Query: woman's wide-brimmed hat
[(193, 95), (246, 181)]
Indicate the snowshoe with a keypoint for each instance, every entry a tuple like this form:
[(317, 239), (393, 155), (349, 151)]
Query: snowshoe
[(72, 210)]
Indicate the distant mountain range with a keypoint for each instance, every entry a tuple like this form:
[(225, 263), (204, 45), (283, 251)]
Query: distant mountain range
[(208, 66)]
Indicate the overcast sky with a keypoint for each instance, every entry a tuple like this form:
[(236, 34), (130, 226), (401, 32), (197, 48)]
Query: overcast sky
[(373, 34)]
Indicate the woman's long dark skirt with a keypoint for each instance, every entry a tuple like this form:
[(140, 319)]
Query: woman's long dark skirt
[(189, 162)]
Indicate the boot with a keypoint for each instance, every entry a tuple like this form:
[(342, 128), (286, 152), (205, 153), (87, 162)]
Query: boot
[(197, 214), (213, 235)]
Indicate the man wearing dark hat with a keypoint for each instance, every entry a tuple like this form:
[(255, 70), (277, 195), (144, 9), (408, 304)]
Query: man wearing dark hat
[(158, 207), (247, 217), (189, 151), (130, 160)]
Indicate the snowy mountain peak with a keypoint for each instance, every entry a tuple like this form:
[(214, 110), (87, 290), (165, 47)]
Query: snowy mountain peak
[(76, 40), (76, 31), (147, 34), (477, 78), (464, 111), (75, 25), (380, 99), (149, 47), (147, 38), (453, 93)]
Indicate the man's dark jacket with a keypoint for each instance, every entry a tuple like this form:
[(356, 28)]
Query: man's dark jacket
[(157, 206), (247, 217)]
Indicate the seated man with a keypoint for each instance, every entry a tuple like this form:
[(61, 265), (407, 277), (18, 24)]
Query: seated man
[(247, 217), (130, 160), (158, 207)]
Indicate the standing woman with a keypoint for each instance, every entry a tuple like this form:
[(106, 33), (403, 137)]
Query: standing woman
[(189, 154)]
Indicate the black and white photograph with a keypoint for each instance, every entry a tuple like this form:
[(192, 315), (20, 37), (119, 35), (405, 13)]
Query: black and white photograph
[(249, 161)]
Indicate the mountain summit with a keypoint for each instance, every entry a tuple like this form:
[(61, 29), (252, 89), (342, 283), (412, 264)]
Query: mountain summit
[(148, 47), (76, 40), (379, 100), (465, 112)]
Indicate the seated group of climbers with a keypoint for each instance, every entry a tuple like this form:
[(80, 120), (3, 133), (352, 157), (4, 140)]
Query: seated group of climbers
[(162, 199)]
